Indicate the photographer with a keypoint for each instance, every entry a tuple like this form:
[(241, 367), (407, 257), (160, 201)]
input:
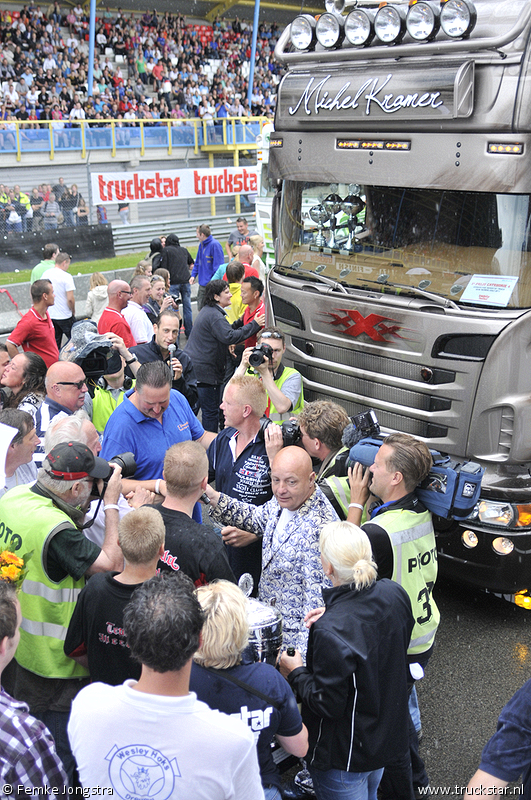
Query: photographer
[(283, 384), (46, 518), (322, 423), (403, 543)]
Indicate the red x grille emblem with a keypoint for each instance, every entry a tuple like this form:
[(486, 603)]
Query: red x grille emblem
[(373, 325)]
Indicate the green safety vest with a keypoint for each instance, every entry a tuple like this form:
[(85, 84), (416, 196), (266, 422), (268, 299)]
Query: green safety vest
[(47, 607), (337, 491), (274, 415), (103, 404), (336, 488), (414, 568)]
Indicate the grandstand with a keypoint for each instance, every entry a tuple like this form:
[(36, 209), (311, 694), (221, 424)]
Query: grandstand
[(167, 93)]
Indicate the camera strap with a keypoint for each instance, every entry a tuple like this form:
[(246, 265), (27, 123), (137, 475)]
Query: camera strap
[(245, 686)]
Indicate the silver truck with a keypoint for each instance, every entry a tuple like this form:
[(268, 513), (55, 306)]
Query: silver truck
[(402, 225)]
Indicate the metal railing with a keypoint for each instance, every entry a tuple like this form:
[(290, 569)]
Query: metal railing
[(18, 136), (132, 238)]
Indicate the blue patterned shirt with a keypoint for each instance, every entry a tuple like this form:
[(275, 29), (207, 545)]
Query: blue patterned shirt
[(292, 574)]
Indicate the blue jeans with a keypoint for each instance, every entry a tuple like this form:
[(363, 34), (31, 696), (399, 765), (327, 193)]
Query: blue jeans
[(414, 709), (209, 400), (336, 784), (185, 290), (56, 722), (272, 793)]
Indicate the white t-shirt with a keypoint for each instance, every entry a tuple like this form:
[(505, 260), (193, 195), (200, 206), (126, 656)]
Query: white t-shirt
[(144, 745), (139, 322), (62, 283)]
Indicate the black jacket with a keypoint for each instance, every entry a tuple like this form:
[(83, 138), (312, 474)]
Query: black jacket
[(177, 260), (208, 345), (354, 685), (186, 384)]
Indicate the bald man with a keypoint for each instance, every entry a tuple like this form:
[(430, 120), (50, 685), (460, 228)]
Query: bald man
[(245, 257), (65, 394), (112, 319), (289, 526)]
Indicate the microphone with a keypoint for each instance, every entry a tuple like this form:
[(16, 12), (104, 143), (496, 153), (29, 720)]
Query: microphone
[(171, 351)]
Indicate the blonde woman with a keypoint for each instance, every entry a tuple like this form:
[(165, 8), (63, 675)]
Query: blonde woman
[(223, 679), (97, 297), (143, 268), (354, 687), (258, 244)]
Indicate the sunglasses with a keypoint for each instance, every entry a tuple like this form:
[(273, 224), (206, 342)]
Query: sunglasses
[(271, 335), (78, 384)]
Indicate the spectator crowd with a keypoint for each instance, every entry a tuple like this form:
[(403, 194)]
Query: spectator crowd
[(162, 68), (46, 207), (123, 656)]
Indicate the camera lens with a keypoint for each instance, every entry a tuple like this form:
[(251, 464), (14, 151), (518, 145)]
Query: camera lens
[(127, 462), (256, 358)]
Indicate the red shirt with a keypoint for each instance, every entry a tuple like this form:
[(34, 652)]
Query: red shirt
[(249, 271), (112, 320), (35, 334), (248, 316)]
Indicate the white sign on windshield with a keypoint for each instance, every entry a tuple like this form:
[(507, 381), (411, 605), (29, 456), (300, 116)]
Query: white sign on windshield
[(491, 290)]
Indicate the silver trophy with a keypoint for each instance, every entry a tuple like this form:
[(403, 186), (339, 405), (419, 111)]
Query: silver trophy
[(320, 215), (332, 205), (351, 206)]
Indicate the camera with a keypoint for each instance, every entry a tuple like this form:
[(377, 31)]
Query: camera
[(176, 298), (291, 433), (259, 355), (451, 489), (91, 351), (124, 460)]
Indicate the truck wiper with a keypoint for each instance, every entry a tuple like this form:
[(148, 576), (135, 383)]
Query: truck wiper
[(321, 278), (441, 301)]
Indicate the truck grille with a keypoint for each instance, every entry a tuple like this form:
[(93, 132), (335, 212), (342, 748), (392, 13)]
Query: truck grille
[(506, 430), (378, 365), (389, 421), (373, 390)]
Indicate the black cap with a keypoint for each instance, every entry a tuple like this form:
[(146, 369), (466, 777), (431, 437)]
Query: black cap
[(73, 461)]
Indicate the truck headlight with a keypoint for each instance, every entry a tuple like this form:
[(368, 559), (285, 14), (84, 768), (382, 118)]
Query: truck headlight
[(302, 32), (458, 18), (423, 21), (390, 24), (502, 546), (329, 30), (493, 513), (359, 28), (469, 539)]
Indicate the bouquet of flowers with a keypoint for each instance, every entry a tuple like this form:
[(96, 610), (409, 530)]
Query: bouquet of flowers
[(13, 568)]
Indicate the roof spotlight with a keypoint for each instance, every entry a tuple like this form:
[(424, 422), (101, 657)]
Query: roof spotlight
[(359, 27), (390, 24), (458, 18), (335, 6), (423, 21), (302, 32), (330, 30)]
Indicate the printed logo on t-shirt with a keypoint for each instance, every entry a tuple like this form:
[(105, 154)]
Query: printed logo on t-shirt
[(139, 771), (170, 560), (256, 719)]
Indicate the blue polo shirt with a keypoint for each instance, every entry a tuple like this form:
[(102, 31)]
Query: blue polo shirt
[(128, 430)]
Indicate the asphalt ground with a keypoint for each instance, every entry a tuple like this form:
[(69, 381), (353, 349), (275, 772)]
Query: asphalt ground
[(481, 657)]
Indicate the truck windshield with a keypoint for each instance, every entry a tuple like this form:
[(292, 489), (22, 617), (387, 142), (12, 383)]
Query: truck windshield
[(470, 247)]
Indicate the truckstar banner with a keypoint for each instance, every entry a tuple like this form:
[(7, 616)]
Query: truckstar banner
[(172, 184)]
